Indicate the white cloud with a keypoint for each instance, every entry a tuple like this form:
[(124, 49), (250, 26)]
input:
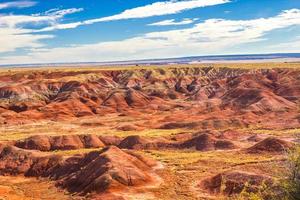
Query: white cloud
[(13, 35), (17, 4), (213, 36), (154, 9), (11, 39), (172, 22), (60, 13), (161, 8)]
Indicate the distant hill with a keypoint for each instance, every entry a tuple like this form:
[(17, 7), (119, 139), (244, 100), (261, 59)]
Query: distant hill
[(278, 57)]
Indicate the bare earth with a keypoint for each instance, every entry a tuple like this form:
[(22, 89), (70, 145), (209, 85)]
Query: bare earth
[(154, 132)]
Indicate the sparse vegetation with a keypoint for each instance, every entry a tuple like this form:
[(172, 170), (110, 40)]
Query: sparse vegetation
[(286, 186)]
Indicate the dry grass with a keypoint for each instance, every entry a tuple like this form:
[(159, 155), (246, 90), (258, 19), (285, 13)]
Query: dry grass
[(20, 188), (19, 132), (185, 169), (185, 158)]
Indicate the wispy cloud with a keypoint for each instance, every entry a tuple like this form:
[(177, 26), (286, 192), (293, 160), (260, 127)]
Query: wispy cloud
[(154, 9), (172, 22), (212, 36), (14, 34), (161, 8), (17, 4), (60, 13)]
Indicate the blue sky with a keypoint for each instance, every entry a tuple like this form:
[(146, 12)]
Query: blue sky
[(47, 31)]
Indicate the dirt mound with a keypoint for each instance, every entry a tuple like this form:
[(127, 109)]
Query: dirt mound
[(65, 142), (66, 109), (271, 144), (14, 161), (133, 142), (207, 142), (234, 182), (116, 100), (97, 172), (203, 142), (91, 141), (224, 144), (136, 99), (110, 140), (256, 100), (38, 142), (109, 169), (139, 143)]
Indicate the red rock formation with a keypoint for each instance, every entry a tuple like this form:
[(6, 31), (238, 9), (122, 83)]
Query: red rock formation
[(95, 172), (61, 95)]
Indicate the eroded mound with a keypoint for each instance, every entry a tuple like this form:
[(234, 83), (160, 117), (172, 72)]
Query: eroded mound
[(65, 142), (111, 168), (14, 161), (95, 172), (110, 140), (140, 143), (91, 141), (39, 142), (234, 182), (271, 144), (133, 142), (207, 142)]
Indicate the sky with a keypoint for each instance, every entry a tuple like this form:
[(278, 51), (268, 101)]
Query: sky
[(55, 31)]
